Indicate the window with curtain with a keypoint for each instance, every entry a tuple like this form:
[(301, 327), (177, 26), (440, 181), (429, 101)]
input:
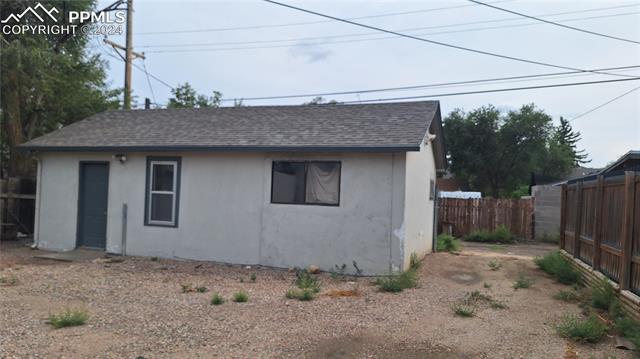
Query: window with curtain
[(163, 179), (310, 182)]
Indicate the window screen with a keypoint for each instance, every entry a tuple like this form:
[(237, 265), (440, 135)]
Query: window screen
[(306, 183), (162, 191)]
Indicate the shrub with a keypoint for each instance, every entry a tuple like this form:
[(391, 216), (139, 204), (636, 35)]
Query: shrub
[(253, 277), (463, 311), (602, 295), (623, 324), (202, 289), (301, 294), (494, 265), (522, 282), (8, 280), (558, 266), (68, 318), (502, 234), (447, 243), (240, 297), (414, 262), (590, 330), (570, 296), (217, 299), (398, 282), (306, 280), (487, 285)]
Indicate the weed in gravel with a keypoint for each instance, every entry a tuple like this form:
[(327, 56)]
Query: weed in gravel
[(522, 282), (357, 269), (589, 330), (240, 297), (69, 318), (463, 311), (414, 262), (447, 243), (497, 305), (202, 289), (475, 297), (558, 266), (494, 265), (8, 280), (153, 259), (301, 294), (187, 288), (306, 280), (570, 296), (487, 285), (623, 324), (602, 295), (338, 271), (253, 277), (398, 282), (217, 299)]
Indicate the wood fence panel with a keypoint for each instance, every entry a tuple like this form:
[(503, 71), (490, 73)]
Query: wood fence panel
[(469, 215), (600, 225)]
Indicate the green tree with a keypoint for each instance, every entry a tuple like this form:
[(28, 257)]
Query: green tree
[(185, 96), (47, 81), (319, 100), (567, 138), (496, 153)]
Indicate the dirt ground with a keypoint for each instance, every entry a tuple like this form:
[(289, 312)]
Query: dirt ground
[(137, 310)]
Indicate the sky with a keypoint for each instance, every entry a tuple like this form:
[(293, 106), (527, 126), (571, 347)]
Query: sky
[(191, 41)]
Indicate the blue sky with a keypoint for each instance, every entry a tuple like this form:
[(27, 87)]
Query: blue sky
[(309, 58)]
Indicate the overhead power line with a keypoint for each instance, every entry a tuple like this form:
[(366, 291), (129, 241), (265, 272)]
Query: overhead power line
[(436, 42), (270, 26), (141, 69), (606, 103), (416, 87), (554, 23), (325, 38), (491, 91)]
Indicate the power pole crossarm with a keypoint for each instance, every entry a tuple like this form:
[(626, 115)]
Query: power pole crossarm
[(120, 47)]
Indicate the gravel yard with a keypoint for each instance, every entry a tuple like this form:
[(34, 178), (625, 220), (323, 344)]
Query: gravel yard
[(137, 309)]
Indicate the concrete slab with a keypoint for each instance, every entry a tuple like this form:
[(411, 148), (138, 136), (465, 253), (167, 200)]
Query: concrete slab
[(76, 255)]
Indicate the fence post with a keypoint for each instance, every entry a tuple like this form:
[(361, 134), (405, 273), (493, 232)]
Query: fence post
[(627, 228), (597, 223), (563, 213), (576, 232)]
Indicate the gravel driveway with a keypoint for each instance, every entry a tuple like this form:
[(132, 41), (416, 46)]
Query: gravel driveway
[(138, 309)]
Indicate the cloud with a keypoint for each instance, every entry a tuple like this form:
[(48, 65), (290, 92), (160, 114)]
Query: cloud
[(310, 52)]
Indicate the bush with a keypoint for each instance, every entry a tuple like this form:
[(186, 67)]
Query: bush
[(502, 234), (253, 277), (398, 282), (603, 295), (306, 280), (68, 318), (301, 294), (463, 311), (558, 266), (590, 330), (217, 299), (567, 296), (494, 265), (623, 324), (522, 282), (447, 243), (240, 297)]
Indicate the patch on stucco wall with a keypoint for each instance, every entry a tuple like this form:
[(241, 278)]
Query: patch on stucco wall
[(399, 232)]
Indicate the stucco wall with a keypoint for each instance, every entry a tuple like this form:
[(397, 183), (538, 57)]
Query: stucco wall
[(547, 211), (418, 226), (226, 214)]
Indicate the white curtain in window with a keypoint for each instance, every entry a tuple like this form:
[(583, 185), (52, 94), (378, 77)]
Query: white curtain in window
[(323, 183)]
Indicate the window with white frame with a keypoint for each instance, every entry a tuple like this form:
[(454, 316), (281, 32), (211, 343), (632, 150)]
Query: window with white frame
[(162, 198)]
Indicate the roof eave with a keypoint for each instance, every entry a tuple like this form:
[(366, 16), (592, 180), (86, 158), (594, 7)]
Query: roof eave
[(188, 148)]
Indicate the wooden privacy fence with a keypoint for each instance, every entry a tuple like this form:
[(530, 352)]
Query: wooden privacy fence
[(468, 215), (17, 207), (600, 225)]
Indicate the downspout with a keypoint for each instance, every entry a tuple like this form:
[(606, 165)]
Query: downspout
[(36, 222)]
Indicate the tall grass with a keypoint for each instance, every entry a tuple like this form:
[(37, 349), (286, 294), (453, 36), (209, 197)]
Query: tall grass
[(502, 234), (447, 243), (558, 266)]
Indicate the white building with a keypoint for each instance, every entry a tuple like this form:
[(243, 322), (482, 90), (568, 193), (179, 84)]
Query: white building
[(277, 186)]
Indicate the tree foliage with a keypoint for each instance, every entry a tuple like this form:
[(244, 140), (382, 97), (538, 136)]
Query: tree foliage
[(566, 138), (496, 153), (48, 81), (185, 96)]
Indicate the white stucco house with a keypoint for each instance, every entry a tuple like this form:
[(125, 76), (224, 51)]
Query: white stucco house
[(271, 185)]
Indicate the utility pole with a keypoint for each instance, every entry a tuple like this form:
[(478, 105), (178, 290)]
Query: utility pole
[(128, 56)]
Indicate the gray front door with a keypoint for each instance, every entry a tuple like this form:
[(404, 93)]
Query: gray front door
[(92, 204)]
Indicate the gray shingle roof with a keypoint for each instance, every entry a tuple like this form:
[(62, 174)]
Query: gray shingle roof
[(364, 127)]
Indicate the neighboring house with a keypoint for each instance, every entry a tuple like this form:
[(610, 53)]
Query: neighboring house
[(275, 185)]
